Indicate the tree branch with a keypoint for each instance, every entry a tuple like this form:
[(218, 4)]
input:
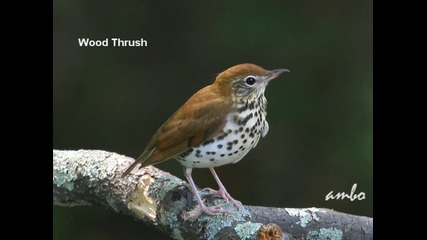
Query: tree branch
[(166, 202)]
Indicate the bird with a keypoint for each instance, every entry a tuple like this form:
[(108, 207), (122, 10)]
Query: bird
[(218, 125)]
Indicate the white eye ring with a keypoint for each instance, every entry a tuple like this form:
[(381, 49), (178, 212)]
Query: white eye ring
[(250, 80)]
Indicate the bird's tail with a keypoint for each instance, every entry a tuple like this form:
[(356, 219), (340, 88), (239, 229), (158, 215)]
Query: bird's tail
[(142, 159), (130, 168)]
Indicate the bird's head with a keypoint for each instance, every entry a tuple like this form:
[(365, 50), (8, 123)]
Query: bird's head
[(245, 81)]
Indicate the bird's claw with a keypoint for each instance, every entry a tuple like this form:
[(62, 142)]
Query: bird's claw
[(216, 210), (225, 195)]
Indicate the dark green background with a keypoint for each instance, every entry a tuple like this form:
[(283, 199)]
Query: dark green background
[(320, 114)]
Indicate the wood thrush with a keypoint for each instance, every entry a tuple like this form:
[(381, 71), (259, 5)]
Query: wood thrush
[(218, 125)]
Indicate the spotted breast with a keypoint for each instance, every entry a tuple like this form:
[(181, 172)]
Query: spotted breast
[(241, 133)]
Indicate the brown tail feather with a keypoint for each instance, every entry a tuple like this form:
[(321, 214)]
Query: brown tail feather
[(142, 159), (130, 168)]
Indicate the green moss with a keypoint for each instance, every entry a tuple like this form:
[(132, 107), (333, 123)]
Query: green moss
[(325, 234), (246, 230), (94, 164), (306, 215), (166, 185), (215, 226)]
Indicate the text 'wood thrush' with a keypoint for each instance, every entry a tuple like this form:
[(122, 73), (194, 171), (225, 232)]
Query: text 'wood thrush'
[(218, 125)]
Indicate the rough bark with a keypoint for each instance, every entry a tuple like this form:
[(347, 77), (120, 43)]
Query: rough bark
[(166, 202)]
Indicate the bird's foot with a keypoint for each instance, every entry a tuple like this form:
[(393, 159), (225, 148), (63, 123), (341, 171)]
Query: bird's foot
[(215, 210), (194, 213), (225, 195)]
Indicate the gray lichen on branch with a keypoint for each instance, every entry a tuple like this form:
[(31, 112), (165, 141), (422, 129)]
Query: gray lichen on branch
[(165, 201)]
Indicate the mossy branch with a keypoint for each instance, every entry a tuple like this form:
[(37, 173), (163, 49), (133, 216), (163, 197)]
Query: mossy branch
[(166, 202)]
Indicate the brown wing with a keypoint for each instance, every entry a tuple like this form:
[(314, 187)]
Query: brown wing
[(199, 119)]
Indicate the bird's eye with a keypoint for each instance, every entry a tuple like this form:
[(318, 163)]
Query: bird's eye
[(250, 81)]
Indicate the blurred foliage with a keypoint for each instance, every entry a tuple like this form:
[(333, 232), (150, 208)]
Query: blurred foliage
[(320, 114)]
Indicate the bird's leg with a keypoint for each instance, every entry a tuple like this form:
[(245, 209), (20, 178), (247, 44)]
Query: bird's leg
[(214, 210), (222, 191)]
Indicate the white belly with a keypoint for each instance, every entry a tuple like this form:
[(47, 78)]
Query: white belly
[(231, 146)]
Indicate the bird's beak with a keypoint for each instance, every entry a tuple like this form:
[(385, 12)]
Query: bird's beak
[(275, 73)]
